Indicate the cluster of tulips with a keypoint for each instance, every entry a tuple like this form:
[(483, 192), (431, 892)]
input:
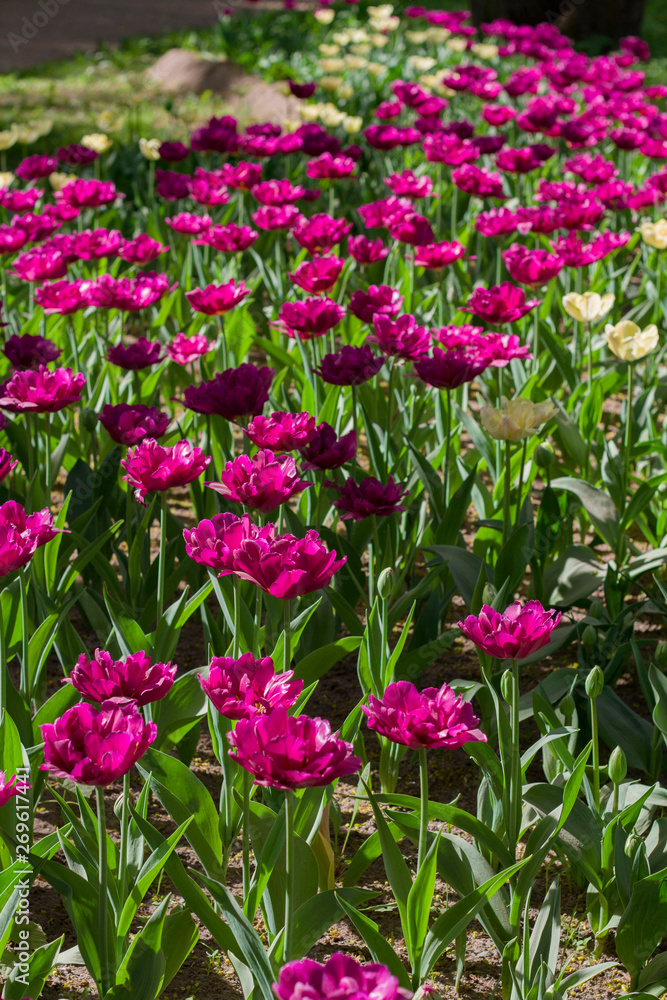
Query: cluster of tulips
[(409, 408)]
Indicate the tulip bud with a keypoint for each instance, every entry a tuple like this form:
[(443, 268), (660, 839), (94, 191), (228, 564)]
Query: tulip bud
[(545, 456), (589, 638), (596, 610), (632, 845), (386, 583), (506, 685), (89, 419), (568, 706), (595, 683), (618, 766), (512, 951), (660, 655), (488, 593)]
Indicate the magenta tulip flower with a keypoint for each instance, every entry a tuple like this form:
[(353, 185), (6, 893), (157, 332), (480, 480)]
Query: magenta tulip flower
[(96, 747), (503, 303), (350, 365), (281, 431), (135, 357), (518, 632), (310, 317), (340, 978), (286, 752), (431, 718), (437, 256), (82, 193), (400, 338), (151, 467), (326, 450), (451, 368), (327, 167), (184, 350), (11, 788), (532, 267), (261, 481), (216, 300), (236, 392), (320, 232), (285, 566), (21, 534), (41, 390), (365, 251), (141, 250), (214, 543), (135, 678), (30, 351), (33, 168), (368, 498), (130, 423), (379, 300), (246, 688), (318, 275), (228, 239)]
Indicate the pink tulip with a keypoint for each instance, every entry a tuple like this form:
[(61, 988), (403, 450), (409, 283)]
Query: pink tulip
[(20, 201), (436, 256), (246, 688), (7, 463), (214, 543), (130, 423), (35, 167), (408, 185), (281, 192), (432, 718), (318, 275), (411, 228), (141, 250), (262, 482), (500, 304), (183, 350), (340, 978), (11, 788), (328, 167), (96, 748), (366, 251), (63, 297), (379, 300), (478, 182), (531, 267), (94, 244), (151, 467), (241, 176), (450, 368), (88, 193), (189, 223), (21, 534), (136, 678), (40, 265), (283, 751), (310, 317), (400, 338), (496, 222), (281, 431), (285, 566), (518, 632), (41, 390), (320, 233), (272, 217), (216, 300), (228, 239), (236, 392), (128, 294)]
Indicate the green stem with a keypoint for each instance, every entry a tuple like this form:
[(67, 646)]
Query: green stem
[(247, 783), (516, 798), (289, 875), (25, 637), (596, 754), (124, 828), (107, 974), (519, 495), (590, 355), (162, 555), (47, 458), (448, 432), (423, 815), (354, 428), (628, 435), (389, 407), (614, 801), (258, 621), (3, 664), (507, 516), (287, 625), (236, 638)]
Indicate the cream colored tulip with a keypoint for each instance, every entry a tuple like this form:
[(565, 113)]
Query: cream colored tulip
[(331, 82), (328, 51), (382, 11), (485, 50), (332, 65), (345, 92), (421, 64), (8, 138), (362, 49), (376, 68), (26, 134), (588, 307), (58, 180), (417, 37), (379, 40), (352, 124), (629, 342), (516, 419), (6, 178), (457, 44), (309, 112), (355, 62), (655, 233), (340, 38), (150, 149), (324, 15), (331, 116), (97, 141)]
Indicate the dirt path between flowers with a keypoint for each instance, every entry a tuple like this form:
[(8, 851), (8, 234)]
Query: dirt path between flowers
[(33, 32)]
